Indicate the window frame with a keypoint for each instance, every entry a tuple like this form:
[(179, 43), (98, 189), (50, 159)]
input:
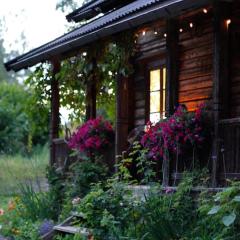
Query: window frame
[(151, 66)]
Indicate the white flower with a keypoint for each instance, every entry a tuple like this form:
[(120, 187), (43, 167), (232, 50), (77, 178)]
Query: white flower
[(76, 201)]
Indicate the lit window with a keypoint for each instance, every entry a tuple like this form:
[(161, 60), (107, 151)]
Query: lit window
[(157, 94)]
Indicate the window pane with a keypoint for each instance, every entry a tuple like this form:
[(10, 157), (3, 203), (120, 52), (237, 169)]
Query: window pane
[(155, 80), (154, 102), (155, 117), (164, 101), (164, 78)]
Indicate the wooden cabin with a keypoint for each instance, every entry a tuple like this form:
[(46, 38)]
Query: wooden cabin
[(188, 52)]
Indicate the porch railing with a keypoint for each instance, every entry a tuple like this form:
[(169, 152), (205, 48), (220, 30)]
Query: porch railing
[(229, 164)]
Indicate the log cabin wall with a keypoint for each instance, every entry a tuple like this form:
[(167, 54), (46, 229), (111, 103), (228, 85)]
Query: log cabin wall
[(195, 72), (235, 61), (151, 46), (196, 62)]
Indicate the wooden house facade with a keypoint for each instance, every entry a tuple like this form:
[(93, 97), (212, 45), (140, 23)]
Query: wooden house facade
[(187, 52)]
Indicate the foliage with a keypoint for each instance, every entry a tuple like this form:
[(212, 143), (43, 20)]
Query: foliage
[(93, 137), (19, 126), (57, 189), (100, 63), (219, 215), (167, 216), (14, 224), (107, 211), (137, 166), (177, 134), (114, 212), (84, 175), (34, 205)]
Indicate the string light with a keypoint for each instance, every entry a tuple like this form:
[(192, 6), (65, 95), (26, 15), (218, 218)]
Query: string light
[(156, 31), (205, 10)]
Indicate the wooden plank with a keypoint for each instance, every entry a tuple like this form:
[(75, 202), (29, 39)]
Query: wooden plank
[(72, 230)]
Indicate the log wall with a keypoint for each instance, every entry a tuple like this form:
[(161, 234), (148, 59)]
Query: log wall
[(150, 47), (195, 72), (235, 62), (196, 64)]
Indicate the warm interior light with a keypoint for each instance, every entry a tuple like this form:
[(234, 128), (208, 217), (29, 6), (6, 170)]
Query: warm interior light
[(165, 35), (205, 10), (180, 30), (144, 33), (191, 25), (229, 22)]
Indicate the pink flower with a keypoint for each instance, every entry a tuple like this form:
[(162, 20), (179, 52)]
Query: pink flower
[(169, 190), (176, 134), (92, 137), (1, 212)]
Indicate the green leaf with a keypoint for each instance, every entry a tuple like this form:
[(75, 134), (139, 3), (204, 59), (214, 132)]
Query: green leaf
[(214, 210), (236, 199), (229, 219)]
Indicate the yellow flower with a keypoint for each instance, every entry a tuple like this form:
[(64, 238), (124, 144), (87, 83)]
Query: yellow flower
[(11, 205), (15, 231)]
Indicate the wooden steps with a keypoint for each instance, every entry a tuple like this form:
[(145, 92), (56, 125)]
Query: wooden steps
[(67, 227)]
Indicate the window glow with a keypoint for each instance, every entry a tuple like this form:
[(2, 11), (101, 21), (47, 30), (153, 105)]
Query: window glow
[(157, 94)]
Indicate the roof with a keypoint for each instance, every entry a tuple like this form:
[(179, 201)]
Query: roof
[(86, 8), (93, 8), (127, 17)]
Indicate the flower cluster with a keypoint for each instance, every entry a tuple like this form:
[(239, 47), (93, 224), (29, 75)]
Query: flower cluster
[(174, 135), (92, 137)]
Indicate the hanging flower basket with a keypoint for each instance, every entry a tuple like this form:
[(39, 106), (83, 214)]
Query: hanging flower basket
[(93, 138)]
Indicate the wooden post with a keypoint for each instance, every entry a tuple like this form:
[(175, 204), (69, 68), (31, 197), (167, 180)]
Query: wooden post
[(172, 65), (123, 112), (55, 106), (220, 77), (91, 94), (172, 84)]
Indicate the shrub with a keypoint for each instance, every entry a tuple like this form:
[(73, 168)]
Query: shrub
[(218, 215), (84, 175), (23, 120)]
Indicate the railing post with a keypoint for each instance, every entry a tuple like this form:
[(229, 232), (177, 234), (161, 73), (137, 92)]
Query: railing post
[(55, 106)]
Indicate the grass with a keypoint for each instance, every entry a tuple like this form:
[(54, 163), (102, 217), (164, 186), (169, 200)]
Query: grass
[(17, 170)]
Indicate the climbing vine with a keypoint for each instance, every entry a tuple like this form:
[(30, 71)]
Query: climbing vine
[(112, 58)]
